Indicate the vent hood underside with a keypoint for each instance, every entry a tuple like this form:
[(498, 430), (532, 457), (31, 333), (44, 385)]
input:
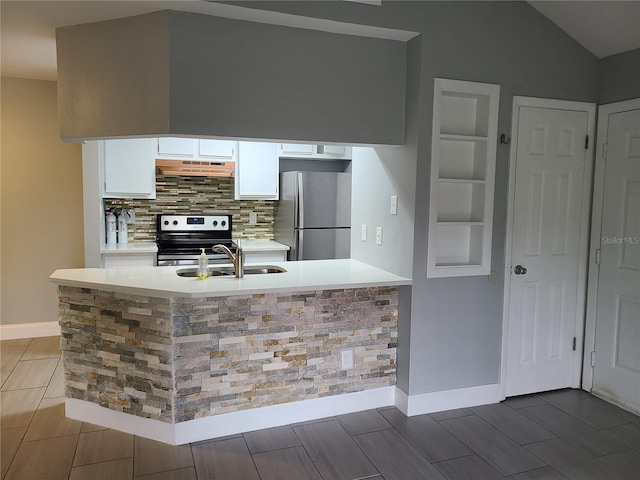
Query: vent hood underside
[(191, 168)]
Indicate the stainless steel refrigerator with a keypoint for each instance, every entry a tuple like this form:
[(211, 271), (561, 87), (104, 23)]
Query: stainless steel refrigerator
[(313, 216)]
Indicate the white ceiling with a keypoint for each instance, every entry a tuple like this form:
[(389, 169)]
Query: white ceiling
[(28, 27)]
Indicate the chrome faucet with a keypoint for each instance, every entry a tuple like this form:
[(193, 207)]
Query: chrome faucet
[(237, 260)]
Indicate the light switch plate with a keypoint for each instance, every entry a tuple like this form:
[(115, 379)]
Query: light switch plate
[(394, 204), (253, 218), (363, 233), (379, 235)]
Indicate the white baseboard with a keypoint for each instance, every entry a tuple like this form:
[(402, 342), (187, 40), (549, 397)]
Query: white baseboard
[(230, 423), (412, 405), (29, 330)]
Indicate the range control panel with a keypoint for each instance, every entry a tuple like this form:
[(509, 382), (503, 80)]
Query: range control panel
[(194, 223)]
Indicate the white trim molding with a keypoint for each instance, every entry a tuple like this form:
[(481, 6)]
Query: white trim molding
[(412, 405), (590, 109), (232, 423), (29, 330)]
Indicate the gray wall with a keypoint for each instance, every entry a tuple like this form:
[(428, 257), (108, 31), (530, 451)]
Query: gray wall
[(188, 74), (456, 323), (620, 77)]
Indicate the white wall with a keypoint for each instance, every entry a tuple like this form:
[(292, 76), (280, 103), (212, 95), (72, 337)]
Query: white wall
[(378, 173)]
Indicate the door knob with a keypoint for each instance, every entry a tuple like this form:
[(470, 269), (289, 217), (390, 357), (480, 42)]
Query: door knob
[(519, 270)]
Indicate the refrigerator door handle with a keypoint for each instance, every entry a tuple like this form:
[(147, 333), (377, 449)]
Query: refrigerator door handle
[(300, 249), (300, 202)]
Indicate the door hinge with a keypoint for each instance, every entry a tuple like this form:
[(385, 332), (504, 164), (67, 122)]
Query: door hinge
[(604, 150), (574, 344), (593, 359), (586, 143), (598, 252)]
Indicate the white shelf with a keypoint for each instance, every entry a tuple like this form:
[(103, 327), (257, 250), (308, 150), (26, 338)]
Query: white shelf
[(462, 178)]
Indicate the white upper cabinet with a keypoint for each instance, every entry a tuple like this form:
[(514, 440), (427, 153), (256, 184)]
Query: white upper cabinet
[(197, 149), (129, 169), (463, 155), (317, 152), (257, 171)]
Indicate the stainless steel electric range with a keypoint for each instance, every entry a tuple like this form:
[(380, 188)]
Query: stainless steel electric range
[(180, 237)]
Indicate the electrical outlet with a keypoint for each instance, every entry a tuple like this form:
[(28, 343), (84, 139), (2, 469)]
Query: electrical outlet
[(379, 235), (346, 359), (253, 218), (363, 233), (394, 204)]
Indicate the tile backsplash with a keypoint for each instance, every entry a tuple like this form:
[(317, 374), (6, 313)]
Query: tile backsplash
[(199, 195)]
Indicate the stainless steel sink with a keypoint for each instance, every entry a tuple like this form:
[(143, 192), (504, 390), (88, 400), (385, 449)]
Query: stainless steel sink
[(228, 271)]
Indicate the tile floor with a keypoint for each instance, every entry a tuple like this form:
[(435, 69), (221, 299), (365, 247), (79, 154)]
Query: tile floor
[(567, 434)]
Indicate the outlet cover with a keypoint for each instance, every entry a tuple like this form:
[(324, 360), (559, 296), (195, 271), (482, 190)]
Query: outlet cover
[(363, 233), (379, 235), (346, 358), (394, 204), (253, 218)]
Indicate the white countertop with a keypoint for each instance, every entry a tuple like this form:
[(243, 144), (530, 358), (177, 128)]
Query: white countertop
[(128, 248), (150, 247), (163, 281), (263, 246)]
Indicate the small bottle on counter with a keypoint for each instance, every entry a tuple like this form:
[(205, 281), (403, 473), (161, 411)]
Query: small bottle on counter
[(123, 219), (112, 227), (203, 266)]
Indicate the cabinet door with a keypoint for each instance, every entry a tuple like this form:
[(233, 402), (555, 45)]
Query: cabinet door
[(129, 168), (177, 147), (257, 171), (217, 149), (296, 150)]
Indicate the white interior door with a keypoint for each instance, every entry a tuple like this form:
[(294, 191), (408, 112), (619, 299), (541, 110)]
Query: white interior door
[(616, 367), (548, 248)]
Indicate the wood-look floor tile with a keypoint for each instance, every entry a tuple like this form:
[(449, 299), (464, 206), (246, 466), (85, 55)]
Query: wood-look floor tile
[(31, 374), (50, 421), (103, 446), (114, 470), (10, 439), (43, 347), (311, 422), (427, 436), (17, 407), (628, 434), (394, 457), (188, 473), (470, 467), (271, 439), (48, 459), (334, 452), (570, 460), (10, 353), (56, 384), (447, 414), (573, 430), (631, 417), (363, 422), (525, 401), (576, 404), (512, 423), (625, 465), (152, 457), (544, 473), (286, 464), (90, 427), (224, 459), (493, 446)]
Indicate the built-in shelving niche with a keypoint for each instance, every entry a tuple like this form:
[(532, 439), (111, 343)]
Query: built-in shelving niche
[(465, 118)]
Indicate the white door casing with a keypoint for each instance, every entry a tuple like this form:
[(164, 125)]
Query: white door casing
[(547, 234), (613, 315)]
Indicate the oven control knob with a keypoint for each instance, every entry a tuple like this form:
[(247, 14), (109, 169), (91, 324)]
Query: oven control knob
[(223, 223), (175, 222), (215, 223), (166, 222)]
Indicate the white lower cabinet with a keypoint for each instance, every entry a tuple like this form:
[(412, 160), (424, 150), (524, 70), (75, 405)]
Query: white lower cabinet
[(463, 155), (257, 171), (129, 260), (129, 169)]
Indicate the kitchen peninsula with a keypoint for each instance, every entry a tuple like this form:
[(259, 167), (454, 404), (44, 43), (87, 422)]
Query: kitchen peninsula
[(179, 360)]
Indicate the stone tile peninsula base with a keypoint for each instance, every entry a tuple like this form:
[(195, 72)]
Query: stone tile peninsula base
[(184, 369)]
